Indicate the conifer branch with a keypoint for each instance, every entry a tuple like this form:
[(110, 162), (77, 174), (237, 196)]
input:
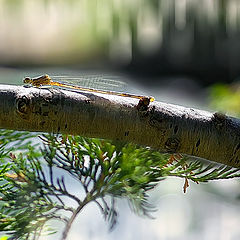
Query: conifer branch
[(32, 192)]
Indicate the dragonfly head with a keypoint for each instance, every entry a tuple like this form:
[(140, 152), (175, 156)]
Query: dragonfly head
[(27, 80)]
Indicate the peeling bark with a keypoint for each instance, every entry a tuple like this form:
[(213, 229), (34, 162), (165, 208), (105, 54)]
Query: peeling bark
[(166, 127)]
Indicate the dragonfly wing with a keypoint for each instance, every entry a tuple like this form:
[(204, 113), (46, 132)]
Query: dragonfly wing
[(99, 82)]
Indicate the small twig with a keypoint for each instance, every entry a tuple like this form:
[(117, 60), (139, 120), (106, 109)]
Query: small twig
[(70, 221)]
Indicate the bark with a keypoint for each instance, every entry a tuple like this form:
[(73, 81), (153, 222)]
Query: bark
[(166, 127)]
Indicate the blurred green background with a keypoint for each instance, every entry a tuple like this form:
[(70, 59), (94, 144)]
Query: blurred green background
[(179, 51)]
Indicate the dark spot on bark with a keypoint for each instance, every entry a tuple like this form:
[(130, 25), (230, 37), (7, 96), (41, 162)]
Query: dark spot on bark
[(170, 125), (126, 133), (65, 126), (23, 105), (219, 116), (175, 129), (58, 129), (219, 119), (198, 143), (172, 144), (143, 104)]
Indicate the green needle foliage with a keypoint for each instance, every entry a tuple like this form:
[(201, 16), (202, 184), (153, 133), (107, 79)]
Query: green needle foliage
[(35, 174)]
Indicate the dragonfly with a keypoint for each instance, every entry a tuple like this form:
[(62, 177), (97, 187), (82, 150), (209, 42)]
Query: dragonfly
[(99, 81)]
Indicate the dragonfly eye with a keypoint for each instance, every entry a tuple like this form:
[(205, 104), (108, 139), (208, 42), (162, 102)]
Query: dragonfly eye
[(27, 80)]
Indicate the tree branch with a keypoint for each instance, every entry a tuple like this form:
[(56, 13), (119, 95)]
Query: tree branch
[(166, 127)]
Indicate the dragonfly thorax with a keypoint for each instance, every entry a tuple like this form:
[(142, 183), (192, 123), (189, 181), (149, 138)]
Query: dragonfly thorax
[(38, 81)]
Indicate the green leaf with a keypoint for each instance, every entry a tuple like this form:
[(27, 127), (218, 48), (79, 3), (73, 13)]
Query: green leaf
[(4, 238)]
